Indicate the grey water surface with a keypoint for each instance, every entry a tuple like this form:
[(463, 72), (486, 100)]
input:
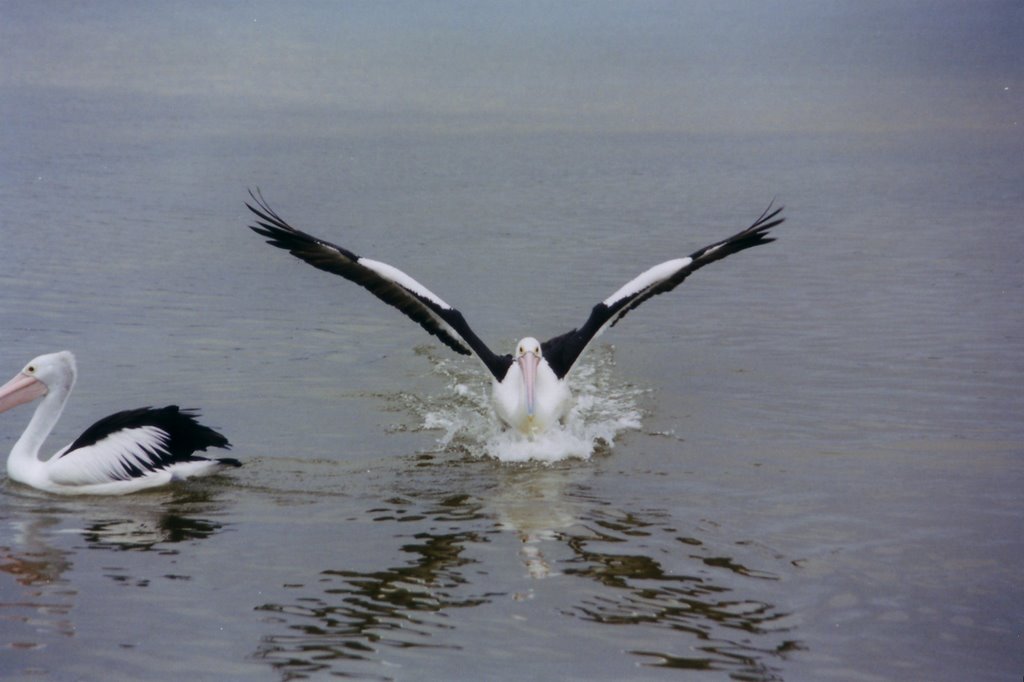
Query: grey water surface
[(824, 478)]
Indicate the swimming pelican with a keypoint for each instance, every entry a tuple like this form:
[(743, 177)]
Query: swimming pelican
[(529, 388), (125, 452)]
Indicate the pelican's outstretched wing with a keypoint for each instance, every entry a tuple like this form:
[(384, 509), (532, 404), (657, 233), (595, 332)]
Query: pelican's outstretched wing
[(384, 281), (562, 351)]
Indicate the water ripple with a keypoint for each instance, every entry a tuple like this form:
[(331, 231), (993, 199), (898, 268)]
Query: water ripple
[(584, 560)]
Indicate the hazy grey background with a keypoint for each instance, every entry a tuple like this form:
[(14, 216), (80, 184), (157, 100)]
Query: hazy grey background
[(602, 66)]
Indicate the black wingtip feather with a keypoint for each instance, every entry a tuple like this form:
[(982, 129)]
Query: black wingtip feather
[(282, 235), (270, 224)]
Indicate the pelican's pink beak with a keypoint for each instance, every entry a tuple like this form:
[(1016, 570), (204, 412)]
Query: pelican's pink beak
[(20, 389), (528, 363)]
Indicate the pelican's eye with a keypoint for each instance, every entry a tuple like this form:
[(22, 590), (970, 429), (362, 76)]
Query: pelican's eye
[(31, 369)]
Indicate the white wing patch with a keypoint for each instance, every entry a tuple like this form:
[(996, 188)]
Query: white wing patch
[(649, 278), (400, 278), (106, 460)]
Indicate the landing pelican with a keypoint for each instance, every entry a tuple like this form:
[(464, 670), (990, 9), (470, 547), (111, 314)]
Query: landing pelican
[(125, 452), (530, 393)]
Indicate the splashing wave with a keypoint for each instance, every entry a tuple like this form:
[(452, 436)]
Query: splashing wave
[(604, 407)]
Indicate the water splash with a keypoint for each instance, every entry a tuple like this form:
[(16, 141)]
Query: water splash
[(604, 407)]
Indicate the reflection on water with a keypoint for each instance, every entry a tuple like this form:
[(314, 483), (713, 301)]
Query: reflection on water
[(601, 561), (38, 585), (147, 534), (37, 604), (732, 633), (534, 504), (356, 614)]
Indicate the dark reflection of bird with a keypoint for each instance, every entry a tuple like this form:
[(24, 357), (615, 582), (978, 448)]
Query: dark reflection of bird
[(353, 615), (536, 506), (142, 533), (530, 393), (30, 559)]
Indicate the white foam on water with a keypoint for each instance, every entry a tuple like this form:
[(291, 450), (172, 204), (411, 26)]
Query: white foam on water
[(604, 407)]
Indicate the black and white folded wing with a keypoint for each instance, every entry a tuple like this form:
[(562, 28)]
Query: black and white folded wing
[(138, 444), (384, 281), (562, 351)]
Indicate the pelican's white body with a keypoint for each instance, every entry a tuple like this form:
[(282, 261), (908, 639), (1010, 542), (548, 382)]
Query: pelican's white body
[(551, 398)]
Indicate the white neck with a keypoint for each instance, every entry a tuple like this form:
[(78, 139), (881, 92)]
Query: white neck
[(24, 460)]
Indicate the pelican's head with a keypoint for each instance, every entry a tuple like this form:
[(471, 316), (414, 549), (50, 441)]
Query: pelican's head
[(41, 375), (528, 356)]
